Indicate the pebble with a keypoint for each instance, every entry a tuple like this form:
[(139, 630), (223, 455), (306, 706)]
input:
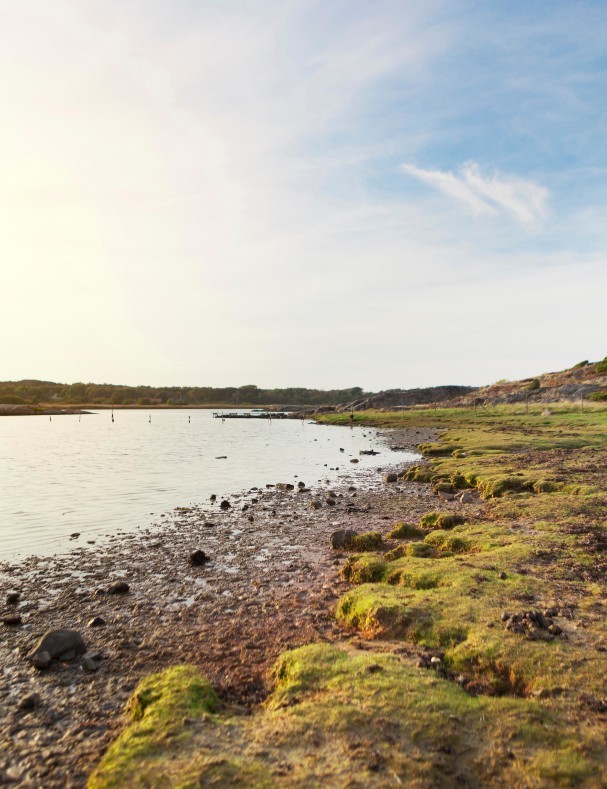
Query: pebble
[(198, 558), (96, 621), (12, 597), (12, 619), (118, 587), (29, 702)]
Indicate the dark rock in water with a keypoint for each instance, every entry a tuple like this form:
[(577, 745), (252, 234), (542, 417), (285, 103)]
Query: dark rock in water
[(96, 621), (225, 505), (12, 619), (198, 558), (301, 484), (254, 501), (29, 702), (56, 644), (331, 502), (354, 460), (391, 477), (213, 497), (12, 597), (118, 587), (315, 504), (74, 535), (303, 490), (368, 452), (221, 457), (245, 507), (341, 537), (284, 486)]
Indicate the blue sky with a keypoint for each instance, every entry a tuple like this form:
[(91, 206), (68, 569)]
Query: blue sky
[(301, 192)]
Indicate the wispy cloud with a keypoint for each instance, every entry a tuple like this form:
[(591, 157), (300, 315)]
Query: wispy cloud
[(489, 195)]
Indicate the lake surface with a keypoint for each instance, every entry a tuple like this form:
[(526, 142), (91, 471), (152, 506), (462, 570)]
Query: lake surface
[(89, 475)]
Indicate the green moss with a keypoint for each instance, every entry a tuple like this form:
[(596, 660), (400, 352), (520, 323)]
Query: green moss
[(420, 550), (405, 531), (369, 541), (453, 543), (157, 711), (364, 569), (419, 474), (440, 520)]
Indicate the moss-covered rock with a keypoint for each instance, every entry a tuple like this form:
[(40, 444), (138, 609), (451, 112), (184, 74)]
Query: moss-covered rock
[(405, 531), (441, 520)]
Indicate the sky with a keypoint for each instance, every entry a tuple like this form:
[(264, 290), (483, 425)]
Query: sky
[(322, 193)]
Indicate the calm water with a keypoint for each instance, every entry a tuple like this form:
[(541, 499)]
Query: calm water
[(91, 476)]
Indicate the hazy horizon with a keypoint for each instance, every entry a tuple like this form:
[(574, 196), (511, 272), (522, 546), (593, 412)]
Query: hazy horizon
[(297, 192)]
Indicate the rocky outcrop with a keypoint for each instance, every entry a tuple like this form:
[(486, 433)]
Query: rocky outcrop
[(395, 398)]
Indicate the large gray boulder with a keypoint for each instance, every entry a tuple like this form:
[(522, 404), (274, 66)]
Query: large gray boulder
[(57, 645)]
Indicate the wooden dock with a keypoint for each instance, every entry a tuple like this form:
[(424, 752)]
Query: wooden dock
[(262, 415)]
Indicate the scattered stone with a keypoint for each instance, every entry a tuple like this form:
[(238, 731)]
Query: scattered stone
[(118, 587), (96, 621), (301, 484), (285, 486), (445, 496), (221, 457), (354, 460), (213, 497), (331, 501), (225, 505), (341, 537), (12, 597), (74, 535), (534, 625), (12, 620), (390, 477), (198, 558), (467, 497), (368, 452), (315, 504), (503, 576), (29, 702), (56, 644), (91, 661)]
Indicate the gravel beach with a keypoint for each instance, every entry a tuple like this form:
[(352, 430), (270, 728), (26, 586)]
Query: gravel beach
[(270, 583)]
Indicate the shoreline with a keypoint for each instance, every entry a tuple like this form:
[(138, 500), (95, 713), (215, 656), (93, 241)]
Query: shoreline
[(270, 586)]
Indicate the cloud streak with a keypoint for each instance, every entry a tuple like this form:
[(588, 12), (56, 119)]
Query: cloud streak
[(522, 199)]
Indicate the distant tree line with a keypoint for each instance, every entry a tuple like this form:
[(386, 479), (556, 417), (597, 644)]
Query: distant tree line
[(34, 392)]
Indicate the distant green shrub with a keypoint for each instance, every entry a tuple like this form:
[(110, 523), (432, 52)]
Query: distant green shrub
[(601, 367), (11, 400), (533, 386), (598, 396), (581, 364)]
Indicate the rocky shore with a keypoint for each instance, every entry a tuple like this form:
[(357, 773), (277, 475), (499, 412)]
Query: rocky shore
[(147, 600)]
